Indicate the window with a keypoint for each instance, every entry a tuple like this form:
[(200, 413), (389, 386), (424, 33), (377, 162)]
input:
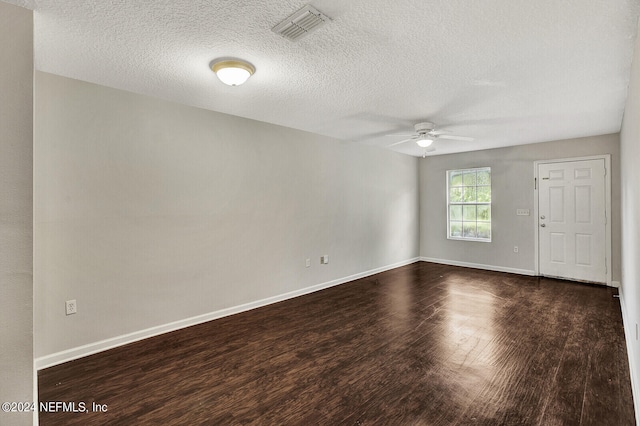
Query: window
[(469, 204)]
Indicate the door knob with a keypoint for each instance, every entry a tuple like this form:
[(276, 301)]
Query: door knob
[(543, 225), (541, 217)]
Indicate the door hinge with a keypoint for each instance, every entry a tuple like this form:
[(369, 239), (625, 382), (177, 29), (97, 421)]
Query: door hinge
[(535, 183)]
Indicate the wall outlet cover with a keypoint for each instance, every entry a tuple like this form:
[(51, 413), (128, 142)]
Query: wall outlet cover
[(71, 307)]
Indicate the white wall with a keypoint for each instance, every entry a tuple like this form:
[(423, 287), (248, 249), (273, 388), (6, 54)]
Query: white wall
[(630, 198), (148, 212), (512, 188), (16, 263)]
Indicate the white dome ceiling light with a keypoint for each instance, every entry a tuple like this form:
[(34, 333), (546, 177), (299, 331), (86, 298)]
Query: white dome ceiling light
[(423, 141), (232, 72)]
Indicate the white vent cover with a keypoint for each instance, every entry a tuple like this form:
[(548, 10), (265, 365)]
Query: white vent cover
[(300, 23)]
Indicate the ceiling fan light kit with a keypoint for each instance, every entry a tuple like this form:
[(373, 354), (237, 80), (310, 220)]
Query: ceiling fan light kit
[(423, 141), (232, 72)]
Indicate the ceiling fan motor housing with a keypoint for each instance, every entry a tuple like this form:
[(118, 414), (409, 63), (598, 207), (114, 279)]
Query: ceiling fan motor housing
[(425, 127)]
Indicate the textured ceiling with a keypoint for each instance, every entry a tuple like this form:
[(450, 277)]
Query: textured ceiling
[(504, 72)]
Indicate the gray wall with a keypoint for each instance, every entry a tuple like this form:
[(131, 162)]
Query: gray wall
[(630, 179), (512, 188), (16, 263), (148, 212)]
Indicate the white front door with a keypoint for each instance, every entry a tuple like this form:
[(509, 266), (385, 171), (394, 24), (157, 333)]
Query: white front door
[(572, 220)]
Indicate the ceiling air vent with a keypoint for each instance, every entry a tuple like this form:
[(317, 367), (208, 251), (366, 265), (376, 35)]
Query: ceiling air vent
[(301, 23)]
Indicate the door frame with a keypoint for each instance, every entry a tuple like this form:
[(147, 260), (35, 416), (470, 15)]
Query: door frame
[(607, 198)]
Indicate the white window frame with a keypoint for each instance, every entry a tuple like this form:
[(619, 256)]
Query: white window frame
[(461, 238)]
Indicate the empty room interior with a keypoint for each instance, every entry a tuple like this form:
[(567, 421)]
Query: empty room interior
[(281, 212)]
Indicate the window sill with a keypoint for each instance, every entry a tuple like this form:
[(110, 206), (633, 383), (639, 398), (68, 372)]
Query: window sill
[(479, 240)]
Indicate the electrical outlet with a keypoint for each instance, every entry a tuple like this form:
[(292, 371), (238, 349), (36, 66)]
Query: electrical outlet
[(71, 307), (515, 249), (308, 264), (324, 259)]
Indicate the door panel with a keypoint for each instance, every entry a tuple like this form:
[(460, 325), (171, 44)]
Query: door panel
[(583, 204), (583, 249), (557, 247), (572, 220), (556, 204)]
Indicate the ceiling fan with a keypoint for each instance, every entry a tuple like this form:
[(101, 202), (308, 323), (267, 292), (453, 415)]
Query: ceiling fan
[(426, 134)]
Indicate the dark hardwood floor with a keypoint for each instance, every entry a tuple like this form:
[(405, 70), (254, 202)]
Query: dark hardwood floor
[(424, 344)]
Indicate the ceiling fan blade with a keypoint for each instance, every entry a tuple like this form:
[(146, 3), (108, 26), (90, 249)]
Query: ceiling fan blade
[(455, 138), (439, 132), (400, 134), (406, 140)]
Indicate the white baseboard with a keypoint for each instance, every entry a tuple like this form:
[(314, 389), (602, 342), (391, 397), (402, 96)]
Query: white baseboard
[(629, 336), (480, 266), (103, 345)]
